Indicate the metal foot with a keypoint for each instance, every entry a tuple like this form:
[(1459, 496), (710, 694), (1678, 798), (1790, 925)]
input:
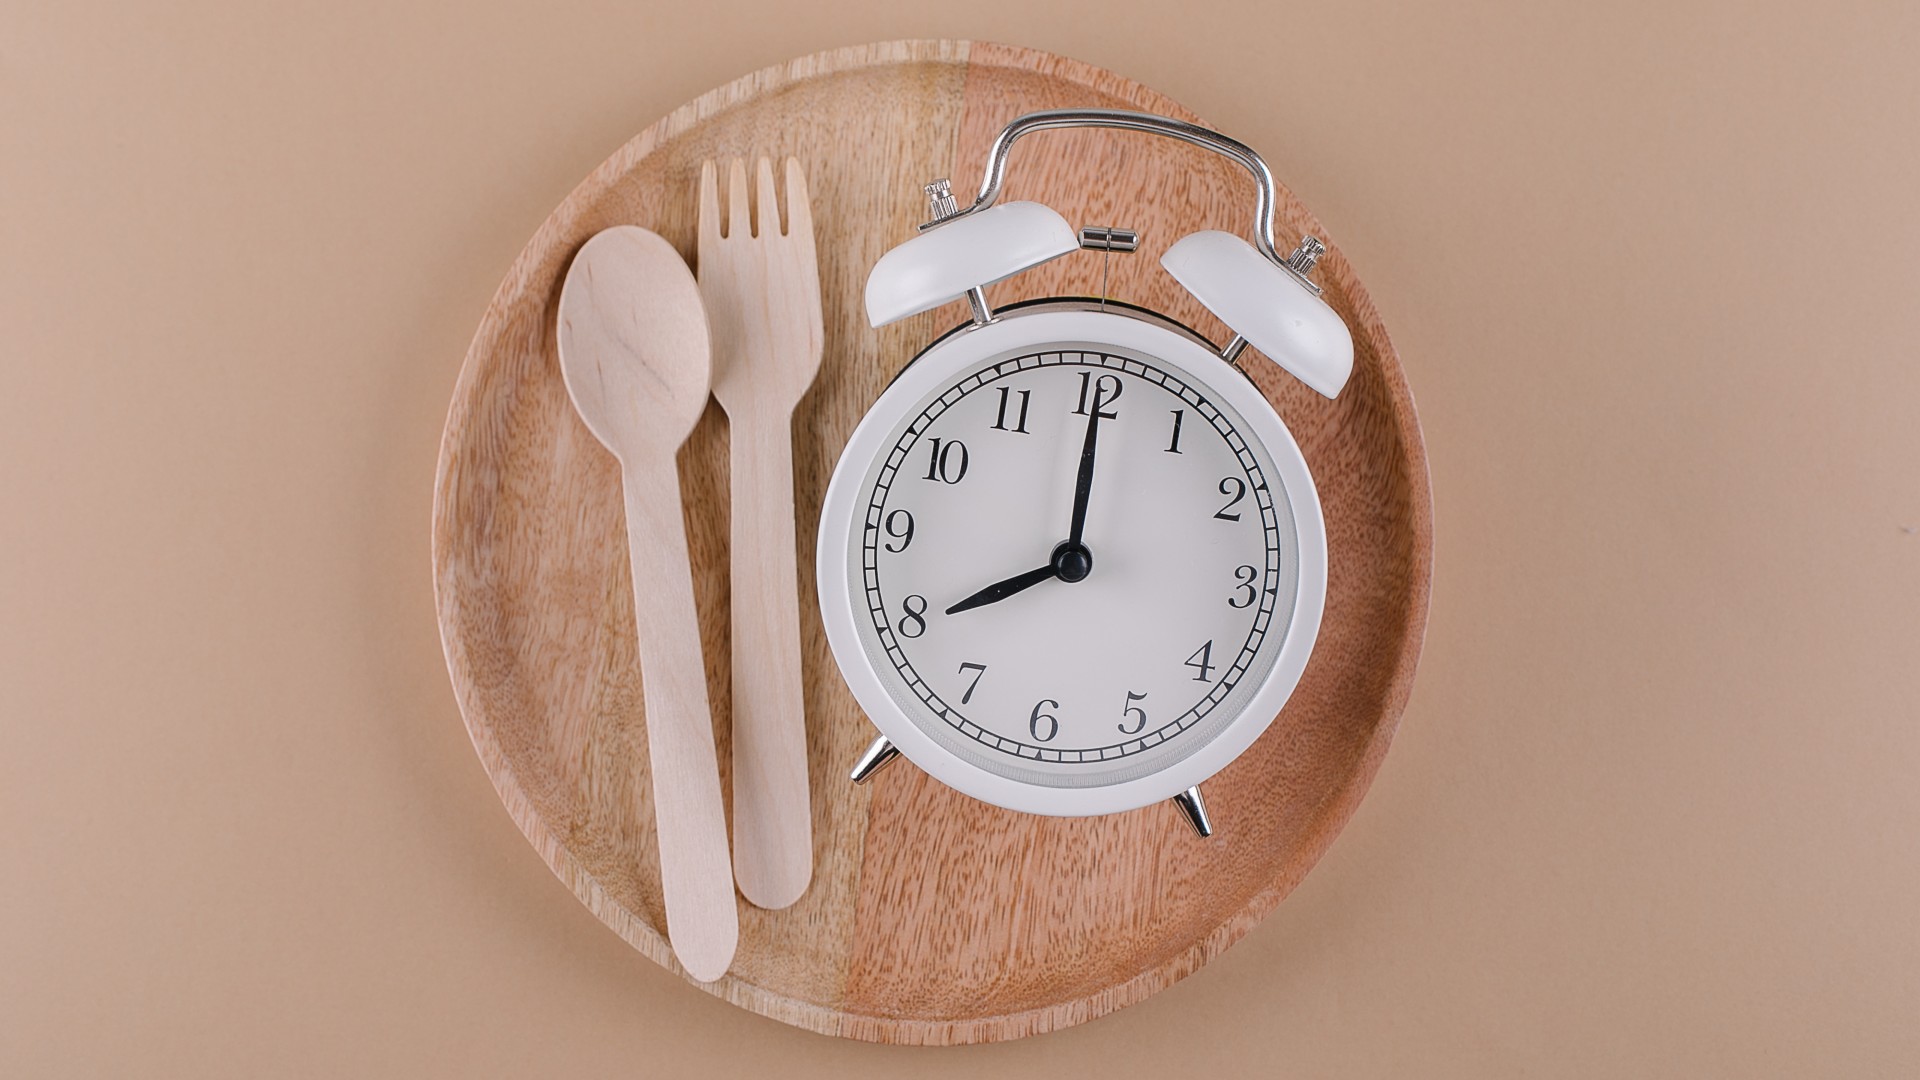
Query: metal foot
[(875, 759), (1194, 811)]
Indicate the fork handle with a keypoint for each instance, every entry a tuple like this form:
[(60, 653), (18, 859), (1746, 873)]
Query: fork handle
[(772, 811)]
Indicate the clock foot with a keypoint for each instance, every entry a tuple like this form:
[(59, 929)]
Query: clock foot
[(875, 759), (1193, 810)]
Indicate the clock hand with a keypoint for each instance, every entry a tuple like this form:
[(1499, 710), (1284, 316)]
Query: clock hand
[(1000, 590), (1070, 563), (1083, 484), (1071, 560)]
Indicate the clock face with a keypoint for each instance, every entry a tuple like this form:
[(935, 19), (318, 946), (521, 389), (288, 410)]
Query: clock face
[(1051, 664)]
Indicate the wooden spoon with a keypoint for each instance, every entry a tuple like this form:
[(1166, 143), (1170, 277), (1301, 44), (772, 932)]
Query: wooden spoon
[(636, 357)]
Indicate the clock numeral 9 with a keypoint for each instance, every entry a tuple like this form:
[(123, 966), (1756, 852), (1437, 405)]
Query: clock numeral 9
[(904, 535), (1106, 390), (943, 465), (914, 617), (1202, 661), (1244, 575), (1053, 722), (1134, 710), (1235, 489)]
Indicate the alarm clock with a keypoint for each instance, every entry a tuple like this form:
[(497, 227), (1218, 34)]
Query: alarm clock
[(1071, 561)]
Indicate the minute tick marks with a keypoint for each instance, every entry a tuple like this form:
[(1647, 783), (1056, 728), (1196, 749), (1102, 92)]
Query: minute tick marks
[(1074, 630)]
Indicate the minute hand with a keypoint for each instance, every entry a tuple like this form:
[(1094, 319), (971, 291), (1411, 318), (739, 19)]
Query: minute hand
[(1083, 484)]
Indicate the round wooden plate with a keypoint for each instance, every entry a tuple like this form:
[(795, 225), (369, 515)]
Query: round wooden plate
[(932, 918)]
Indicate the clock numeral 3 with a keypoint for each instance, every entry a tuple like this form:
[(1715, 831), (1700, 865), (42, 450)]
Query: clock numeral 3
[(978, 670), (1053, 722), (1134, 710), (1019, 426), (914, 617), (944, 465), (1202, 661), (1244, 575), (1106, 390), (1235, 489), (905, 536)]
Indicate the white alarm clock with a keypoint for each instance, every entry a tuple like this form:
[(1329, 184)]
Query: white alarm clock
[(1071, 562)]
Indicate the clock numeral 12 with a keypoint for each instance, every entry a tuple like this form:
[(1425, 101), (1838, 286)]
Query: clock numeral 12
[(978, 670), (1202, 660), (942, 465), (1019, 426), (1134, 710), (1052, 721), (1106, 391)]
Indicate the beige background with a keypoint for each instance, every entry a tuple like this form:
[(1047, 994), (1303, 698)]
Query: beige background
[(1651, 268)]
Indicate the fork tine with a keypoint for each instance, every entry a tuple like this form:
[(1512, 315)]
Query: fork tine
[(766, 203), (739, 217), (799, 210), (709, 234)]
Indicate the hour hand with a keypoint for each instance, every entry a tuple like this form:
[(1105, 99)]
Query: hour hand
[(1000, 590)]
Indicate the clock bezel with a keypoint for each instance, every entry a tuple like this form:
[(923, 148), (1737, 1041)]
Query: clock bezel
[(1032, 326)]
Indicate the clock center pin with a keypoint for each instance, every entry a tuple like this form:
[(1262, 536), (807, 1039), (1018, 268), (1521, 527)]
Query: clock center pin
[(1072, 562)]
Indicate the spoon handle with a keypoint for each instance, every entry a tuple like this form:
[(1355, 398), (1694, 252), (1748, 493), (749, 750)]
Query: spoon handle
[(703, 924), (772, 812)]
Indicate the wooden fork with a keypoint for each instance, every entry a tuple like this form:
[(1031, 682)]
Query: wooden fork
[(761, 287)]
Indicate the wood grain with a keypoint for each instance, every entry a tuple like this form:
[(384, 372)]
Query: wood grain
[(932, 918)]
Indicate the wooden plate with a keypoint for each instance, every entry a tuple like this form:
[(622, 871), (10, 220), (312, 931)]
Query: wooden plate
[(932, 918)]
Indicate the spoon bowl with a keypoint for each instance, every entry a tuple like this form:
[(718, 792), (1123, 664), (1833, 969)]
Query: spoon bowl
[(634, 345)]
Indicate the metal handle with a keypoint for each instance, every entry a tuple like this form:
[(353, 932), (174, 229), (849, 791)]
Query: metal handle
[(1297, 264)]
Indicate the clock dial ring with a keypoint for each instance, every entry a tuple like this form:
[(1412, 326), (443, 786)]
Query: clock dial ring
[(838, 571), (1097, 361)]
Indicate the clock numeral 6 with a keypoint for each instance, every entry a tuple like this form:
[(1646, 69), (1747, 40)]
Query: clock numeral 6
[(978, 670), (944, 465), (1235, 489), (904, 534), (914, 617), (1244, 575), (1134, 710), (1053, 722), (1202, 661)]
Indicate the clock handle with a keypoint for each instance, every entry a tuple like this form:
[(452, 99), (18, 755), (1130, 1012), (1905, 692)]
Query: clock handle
[(1298, 265)]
